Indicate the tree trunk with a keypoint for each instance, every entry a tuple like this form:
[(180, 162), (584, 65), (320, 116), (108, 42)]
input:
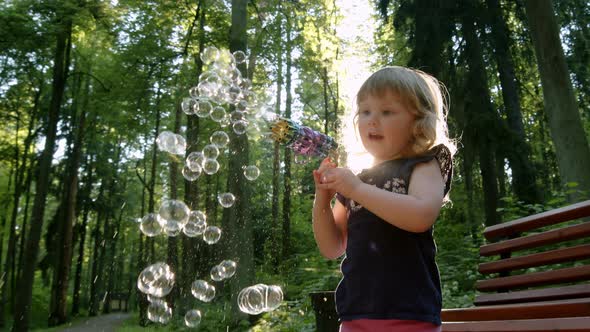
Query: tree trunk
[(58, 307), (142, 298), (481, 116), (432, 30), (236, 222), (25, 284), (286, 236), (276, 162), (172, 257), (190, 255), (571, 144), (96, 252), (85, 196), (517, 150)]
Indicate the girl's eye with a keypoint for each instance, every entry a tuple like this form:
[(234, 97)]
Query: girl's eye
[(365, 112), (387, 112)]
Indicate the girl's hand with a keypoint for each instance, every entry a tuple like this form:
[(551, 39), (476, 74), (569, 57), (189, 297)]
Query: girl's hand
[(341, 180), (323, 194)]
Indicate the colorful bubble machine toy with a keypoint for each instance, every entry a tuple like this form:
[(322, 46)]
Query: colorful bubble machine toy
[(301, 139)]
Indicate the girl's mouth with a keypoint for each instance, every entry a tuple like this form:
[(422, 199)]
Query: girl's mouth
[(375, 137)]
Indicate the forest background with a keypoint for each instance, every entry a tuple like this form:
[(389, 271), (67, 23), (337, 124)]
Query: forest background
[(87, 86)]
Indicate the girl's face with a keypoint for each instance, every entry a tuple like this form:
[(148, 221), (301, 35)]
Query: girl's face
[(385, 126)]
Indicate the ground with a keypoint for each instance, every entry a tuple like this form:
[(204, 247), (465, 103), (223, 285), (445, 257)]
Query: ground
[(103, 323)]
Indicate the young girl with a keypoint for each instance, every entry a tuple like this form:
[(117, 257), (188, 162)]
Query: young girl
[(383, 217)]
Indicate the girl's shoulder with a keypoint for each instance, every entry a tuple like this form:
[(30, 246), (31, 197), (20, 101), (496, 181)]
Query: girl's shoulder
[(442, 154)]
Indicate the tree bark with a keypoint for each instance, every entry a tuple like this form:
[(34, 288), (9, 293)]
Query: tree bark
[(85, 196), (286, 227), (276, 162), (569, 138), (517, 150), (236, 223), (60, 71), (58, 304), (481, 118)]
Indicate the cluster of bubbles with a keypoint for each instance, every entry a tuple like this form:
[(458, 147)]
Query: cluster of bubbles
[(171, 142), (156, 280), (260, 298), (175, 217), (224, 270), (221, 88)]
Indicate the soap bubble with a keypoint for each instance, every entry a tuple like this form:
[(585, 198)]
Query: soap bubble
[(166, 141), (239, 56), (229, 268), (237, 116), (218, 113), (242, 105), (194, 92), (152, 298), (240, 127), (192, 318), (190, 174), (251, 299), (213, 78), (212, 234), (187, 105), (156, 280), (210, 166), (274, 297), (175, 211), (226, 199), (203, 108), (202, 290), (259, 298), (219, 138), (150, 225), (234, 94), (196, 224), (251, 172), (195, 160), (210, 151), (245, 84), (210, 54), (225, 60), (206, 89), (217, 273), (159, 312), (180, 146)]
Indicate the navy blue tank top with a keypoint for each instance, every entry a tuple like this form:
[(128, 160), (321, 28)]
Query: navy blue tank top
[(390, 273)]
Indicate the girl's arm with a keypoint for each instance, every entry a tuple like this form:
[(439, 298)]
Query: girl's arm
[(414, 212), (329, 228)]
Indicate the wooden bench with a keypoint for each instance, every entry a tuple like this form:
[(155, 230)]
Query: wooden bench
[(546, 289), (118, 301)]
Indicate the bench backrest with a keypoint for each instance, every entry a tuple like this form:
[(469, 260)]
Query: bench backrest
[(542, 257)]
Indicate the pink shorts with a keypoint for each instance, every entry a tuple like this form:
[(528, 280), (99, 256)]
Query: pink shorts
[(386, 325)]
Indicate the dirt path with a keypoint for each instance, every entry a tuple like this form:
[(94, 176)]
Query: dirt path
[(103, 323)]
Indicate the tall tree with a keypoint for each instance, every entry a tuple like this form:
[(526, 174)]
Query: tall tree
[(561, 107), (517, 150), (482, 120), (60, 73), (235, 219), (286, 219)]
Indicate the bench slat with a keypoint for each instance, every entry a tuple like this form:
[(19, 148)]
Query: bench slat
[(570, 274), (535, 240), (543, 258), (536, 310), (571, 212), (576, 324), (534, 295)]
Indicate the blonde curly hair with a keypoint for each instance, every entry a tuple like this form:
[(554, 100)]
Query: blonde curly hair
[(425, 98)]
